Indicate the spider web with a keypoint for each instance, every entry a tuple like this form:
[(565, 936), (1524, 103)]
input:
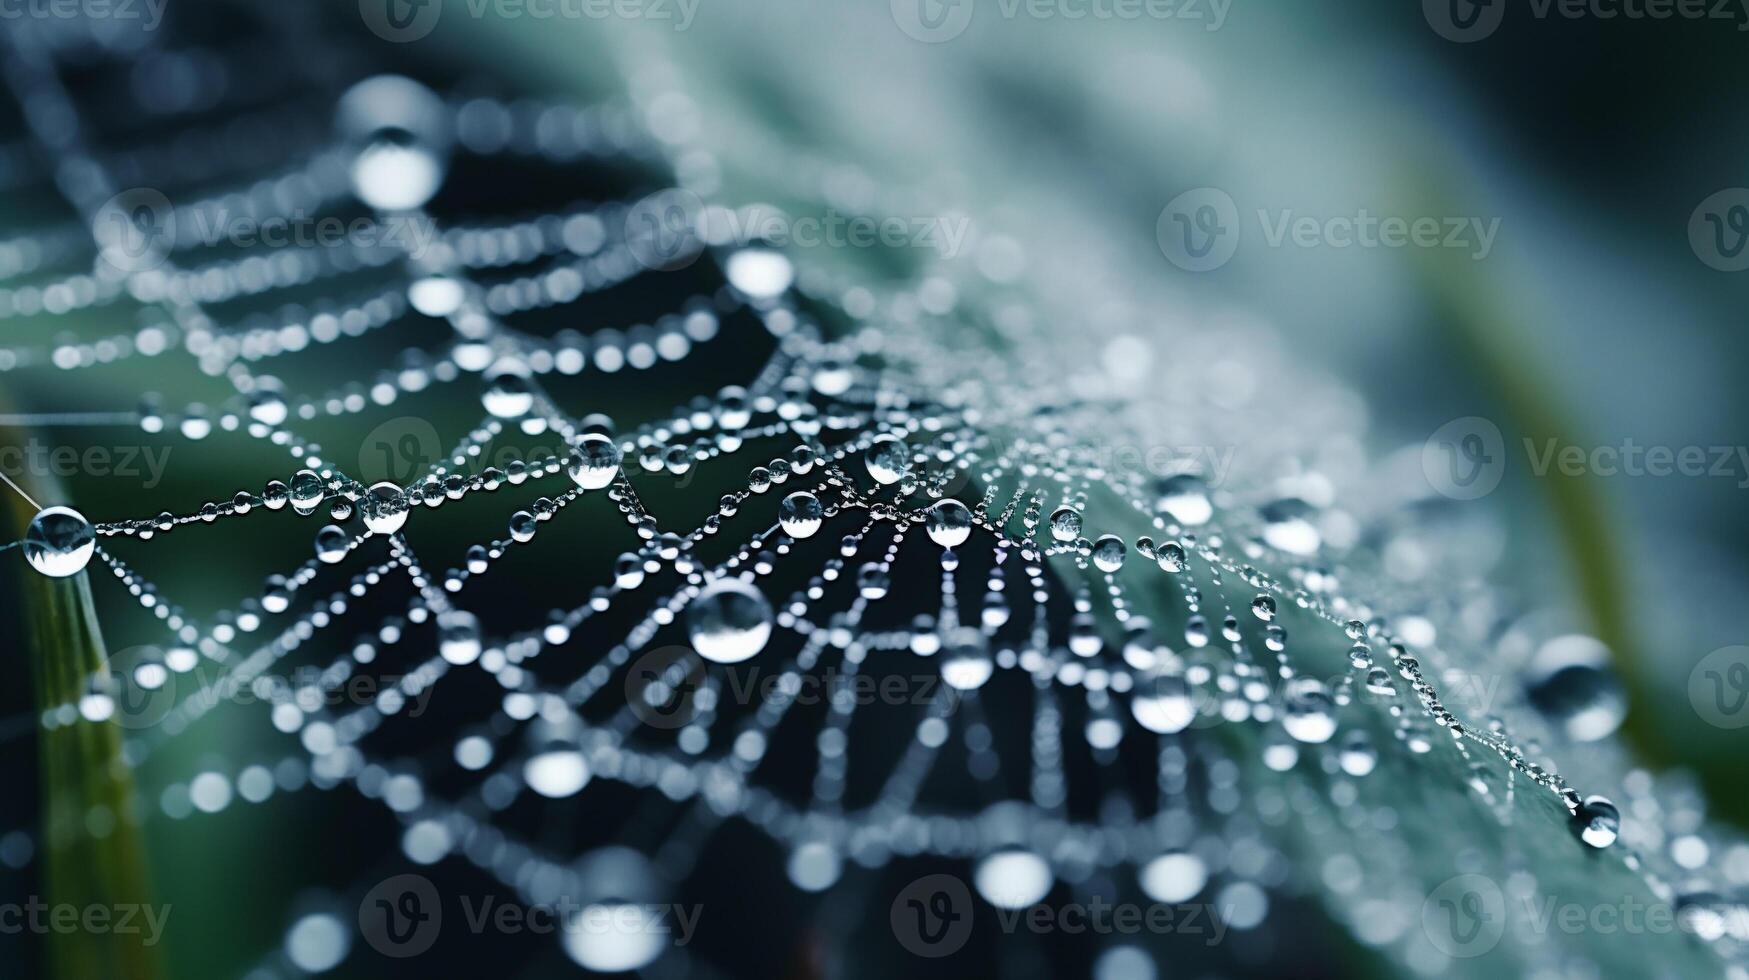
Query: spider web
[(1117, 679)]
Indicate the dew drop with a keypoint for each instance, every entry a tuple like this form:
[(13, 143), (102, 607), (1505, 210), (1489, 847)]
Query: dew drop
[(1065, 524), (950, 523), (1108, 553), (1597, 822), (888, 460), (965, 660), (1185, 499), (385, 508), (595, 461), (331, 544), (59, 542), (800, 515), (730, 621), (1287, 526), (1162, 703)]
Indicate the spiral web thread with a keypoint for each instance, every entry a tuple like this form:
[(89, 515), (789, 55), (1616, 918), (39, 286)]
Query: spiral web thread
[(856, 360)]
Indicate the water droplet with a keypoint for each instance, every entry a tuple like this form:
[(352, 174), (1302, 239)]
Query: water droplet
[(595, 461), (950, 523), (331, 544), (306, 492), (59, 542), (800, 515), (1065, 524), (508, 394), (267, 406), (437, 296), (1162, 703), (1170, 556), (729, 621), (888, 460), (1569, 680), (1287, 526), (759, 272), (628, 571), (1185, 499), (1597, 822), (1013, 879), (385, 508), (1108, 553), (1308, 712), (557, 773), (1358, 756), (965, 660), (1378, 681), (458, 636), (1173, 877)]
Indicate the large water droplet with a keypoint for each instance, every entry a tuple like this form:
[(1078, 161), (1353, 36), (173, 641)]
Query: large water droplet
[(306, 492), (1065, 524), (950, 523), (729, 621), (1013, 879), (888, 460), (1173, 877), (800, 515), (1308, 711), (458, 636), (1597, 822), (1570, 682), (59, 542), (965, 660), (556, 773), (1287, 526), (1185, 499), (507, 394), (759, 272), (1108, 553), (331, 544), (595, 461), (385, 508), (1162, 703)]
